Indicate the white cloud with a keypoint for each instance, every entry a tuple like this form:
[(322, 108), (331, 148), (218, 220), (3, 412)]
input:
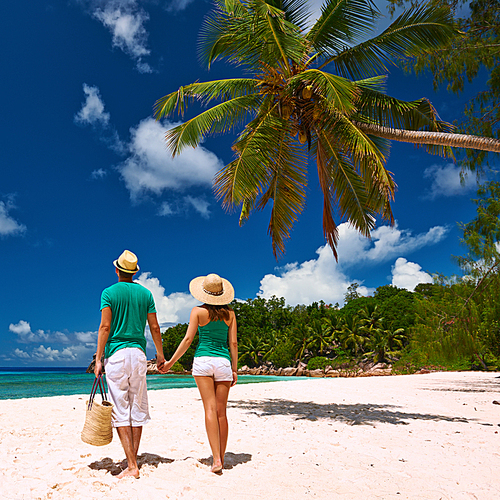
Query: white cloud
[(184, 205), (200, 205), (174, 308), (166, 209), (386, 243), (99, 174), (25, 335), (151, 168), (19, 353), (408, 274), (446, 181), (49, 354), (177, 5), (311, 281), (324, 279), (125, 20), (92, 112), (86, 337), (8, 225), (22, 328)]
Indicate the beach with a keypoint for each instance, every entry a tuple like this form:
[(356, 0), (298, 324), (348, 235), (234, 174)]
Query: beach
[(430, 436)]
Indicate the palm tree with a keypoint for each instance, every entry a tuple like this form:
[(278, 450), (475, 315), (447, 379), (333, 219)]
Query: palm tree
[(301, 339), (384, 342), (291, 107), (321, 336), (253, 349), (370, 317), (353, 335)]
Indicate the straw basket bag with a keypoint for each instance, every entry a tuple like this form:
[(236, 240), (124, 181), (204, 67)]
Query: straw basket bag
[(97, 429)]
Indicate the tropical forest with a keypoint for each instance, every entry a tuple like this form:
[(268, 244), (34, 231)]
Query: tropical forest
[(313, 94)]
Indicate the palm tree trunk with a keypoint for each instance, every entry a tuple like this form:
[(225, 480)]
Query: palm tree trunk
[(434, 138)]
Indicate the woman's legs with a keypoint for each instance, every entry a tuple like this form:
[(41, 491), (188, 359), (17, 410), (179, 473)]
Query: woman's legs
[(221, 395), (212, 393)]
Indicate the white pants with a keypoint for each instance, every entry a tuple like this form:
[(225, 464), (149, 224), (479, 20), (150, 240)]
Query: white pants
[(126, 377)]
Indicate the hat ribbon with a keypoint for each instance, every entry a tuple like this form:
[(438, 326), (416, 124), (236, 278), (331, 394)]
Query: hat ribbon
[(213, 293)]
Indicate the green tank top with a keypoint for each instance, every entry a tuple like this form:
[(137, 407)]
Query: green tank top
[(213, 340)]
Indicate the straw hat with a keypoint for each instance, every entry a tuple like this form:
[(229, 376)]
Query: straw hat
[(212, 289), (127, 262)]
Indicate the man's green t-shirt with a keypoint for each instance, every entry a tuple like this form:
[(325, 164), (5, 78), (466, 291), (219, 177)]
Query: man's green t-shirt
[(130, 305)]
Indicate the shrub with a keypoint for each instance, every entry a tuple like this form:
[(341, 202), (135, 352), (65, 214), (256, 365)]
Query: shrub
[(282, 356), (177, 368), (318, 363)]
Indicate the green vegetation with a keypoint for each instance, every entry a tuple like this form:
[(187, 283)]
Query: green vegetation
[(289, 109), (453, 323), (311, 92), (473, 54)]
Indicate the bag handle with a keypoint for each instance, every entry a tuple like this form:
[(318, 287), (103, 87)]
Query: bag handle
[(98, 383)]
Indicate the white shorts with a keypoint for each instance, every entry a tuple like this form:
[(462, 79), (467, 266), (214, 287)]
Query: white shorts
[(126, 378), (209, 366)]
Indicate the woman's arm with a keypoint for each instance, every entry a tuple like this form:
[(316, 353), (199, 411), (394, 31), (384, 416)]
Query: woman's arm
[(186, 341), (233, 346)]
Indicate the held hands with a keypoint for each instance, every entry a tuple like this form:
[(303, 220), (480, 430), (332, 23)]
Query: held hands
[(163, 365), (168, 364), (160, 362)]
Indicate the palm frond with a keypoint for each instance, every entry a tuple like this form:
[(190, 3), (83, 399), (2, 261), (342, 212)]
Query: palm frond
[(381, 109), (418, 29), (218, 119), (345, 186), (247, 175), (338, 92), (257, 31), (288, 178), (341, 23), (296, 11), (204, 92)]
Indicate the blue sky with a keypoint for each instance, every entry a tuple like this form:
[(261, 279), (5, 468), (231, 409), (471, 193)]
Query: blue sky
[(86, 175)]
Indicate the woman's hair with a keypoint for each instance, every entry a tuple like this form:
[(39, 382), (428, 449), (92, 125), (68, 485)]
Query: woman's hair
[(218, 313)]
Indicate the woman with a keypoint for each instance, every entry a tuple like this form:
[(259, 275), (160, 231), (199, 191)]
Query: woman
[(215, 361)]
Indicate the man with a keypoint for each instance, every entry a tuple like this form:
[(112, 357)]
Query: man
[(125, 308)]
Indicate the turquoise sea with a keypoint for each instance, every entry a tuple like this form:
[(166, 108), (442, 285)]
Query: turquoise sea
[(17, 383)]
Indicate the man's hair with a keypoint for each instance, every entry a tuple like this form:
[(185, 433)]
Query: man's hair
[(218, 313), (123, 274)]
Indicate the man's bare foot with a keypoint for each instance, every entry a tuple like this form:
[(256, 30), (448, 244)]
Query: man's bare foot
[(129, 473)]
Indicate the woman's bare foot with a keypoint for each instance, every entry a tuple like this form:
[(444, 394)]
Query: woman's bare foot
[(129, 473), (217, 467)]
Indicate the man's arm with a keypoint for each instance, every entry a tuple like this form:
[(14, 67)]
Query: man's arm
[(102, 338), (154, 327)]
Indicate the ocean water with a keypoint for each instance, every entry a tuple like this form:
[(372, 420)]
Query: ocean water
[(17, 383)]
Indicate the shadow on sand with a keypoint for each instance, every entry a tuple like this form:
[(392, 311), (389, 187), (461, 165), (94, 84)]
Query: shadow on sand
[(116, 467), (230, 460), (492, 385), (353, 414)]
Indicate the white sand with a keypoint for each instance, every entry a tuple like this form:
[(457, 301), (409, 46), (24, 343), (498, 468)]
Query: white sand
[(433, 436)]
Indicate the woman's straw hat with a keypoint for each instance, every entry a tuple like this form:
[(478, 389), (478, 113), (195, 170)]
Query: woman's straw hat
[(212, 289), (127, 262)]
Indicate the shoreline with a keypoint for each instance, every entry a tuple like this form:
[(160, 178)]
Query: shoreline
[(415, 437)]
